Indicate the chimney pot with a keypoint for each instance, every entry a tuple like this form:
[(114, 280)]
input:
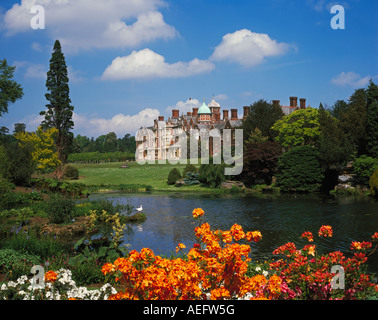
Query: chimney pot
[(161, 118), (302, 103), (276, 102), (175, 113), (246, 112), (195, 111), (225, 114), (234, 114), (293, 101)]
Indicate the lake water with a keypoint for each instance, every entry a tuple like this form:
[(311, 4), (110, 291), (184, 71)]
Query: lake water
[(280, 219)]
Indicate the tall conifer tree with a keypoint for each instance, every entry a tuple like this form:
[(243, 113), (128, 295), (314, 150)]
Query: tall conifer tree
[(59, 109)]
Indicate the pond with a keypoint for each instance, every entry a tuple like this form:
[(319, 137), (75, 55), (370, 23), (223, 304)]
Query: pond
[(280, 219)]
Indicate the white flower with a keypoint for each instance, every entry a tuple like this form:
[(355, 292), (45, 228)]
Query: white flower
[(265, 273), (3, 287), (258, 269)]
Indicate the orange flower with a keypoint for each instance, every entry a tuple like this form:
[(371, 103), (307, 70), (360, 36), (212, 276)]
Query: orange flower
[(180, 246), (360, 245), (108, 268), (325, 231), (375, 236), (237, 232), (50, 276), (307, 235), (254, 236), (198, 213)]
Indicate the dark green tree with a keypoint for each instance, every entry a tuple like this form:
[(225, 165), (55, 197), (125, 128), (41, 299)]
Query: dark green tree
[(262, 115), (353, 121), (299, 170), (372, 120), (10, 90), (59, 109)]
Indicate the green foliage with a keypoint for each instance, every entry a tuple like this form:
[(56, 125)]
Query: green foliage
[(16, 163), (332, 144), (96, 157), (212, 175), (364, 167), (60, 209), (189, 168), (191, 178), (260, 161), (262, 115), (299, 170), (71, 189), (298, 129), (18, 262), (70, 173), (59, 109), (373, 183), (173, 176), (109, 206), (372, 120), (10, 90)]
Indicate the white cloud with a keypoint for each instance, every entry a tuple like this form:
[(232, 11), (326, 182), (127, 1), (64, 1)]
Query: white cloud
[(248, 48), (184, 106), (121, 124), (93, 126), (350, 79), (148, 64), (83, 24)]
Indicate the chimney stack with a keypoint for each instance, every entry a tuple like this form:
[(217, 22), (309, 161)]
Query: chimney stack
[(302, 103), (161, 118), (293, 101), (225, 114), (234, 114), (276, 103), (246, 112), (175, 114), (189, 114), (195, 111)]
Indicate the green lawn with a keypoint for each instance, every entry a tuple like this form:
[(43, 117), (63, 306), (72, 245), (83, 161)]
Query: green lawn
[(154, 175)]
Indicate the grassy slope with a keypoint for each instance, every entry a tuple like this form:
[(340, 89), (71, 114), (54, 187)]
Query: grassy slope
[(154, 175)]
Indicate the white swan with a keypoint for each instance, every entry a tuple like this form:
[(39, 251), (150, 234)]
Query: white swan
[(140, 208)]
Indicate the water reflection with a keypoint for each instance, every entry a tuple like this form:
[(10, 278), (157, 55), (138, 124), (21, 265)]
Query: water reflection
[(280, 219)]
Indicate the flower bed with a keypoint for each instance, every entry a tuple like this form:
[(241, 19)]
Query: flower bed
[(217, 268)]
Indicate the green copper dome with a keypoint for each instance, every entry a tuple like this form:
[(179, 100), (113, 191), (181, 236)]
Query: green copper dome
[(204, 109)]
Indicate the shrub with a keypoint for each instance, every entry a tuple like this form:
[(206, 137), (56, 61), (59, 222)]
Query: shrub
[(20, 263), (60, 209), (299, 170), (70, 173), (363, 168), (373, 183), (173, 176), (212, 174), (189, 168)]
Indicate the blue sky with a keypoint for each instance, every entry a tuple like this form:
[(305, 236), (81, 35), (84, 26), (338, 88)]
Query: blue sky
[(132, 60)]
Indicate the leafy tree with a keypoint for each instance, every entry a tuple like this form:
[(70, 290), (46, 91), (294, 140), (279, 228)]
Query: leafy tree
[(59, 109), (372, 119), (262, 115), (299, 170), (353, 121), (298, 129), (364, 167), (110, 143), (339, 108), (173, 176), (42, 146), (212, 174), (10, 90), (373, 183), (260, 161), (332, 144)]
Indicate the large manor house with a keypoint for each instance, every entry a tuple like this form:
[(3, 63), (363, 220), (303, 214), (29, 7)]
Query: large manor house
[(161, 141)]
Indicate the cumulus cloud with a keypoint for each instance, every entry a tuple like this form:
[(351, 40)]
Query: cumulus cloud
[(184, 106), (83, 24), (148, 64), (121, 124), (248, 48), (351, 79), (93, 126)]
